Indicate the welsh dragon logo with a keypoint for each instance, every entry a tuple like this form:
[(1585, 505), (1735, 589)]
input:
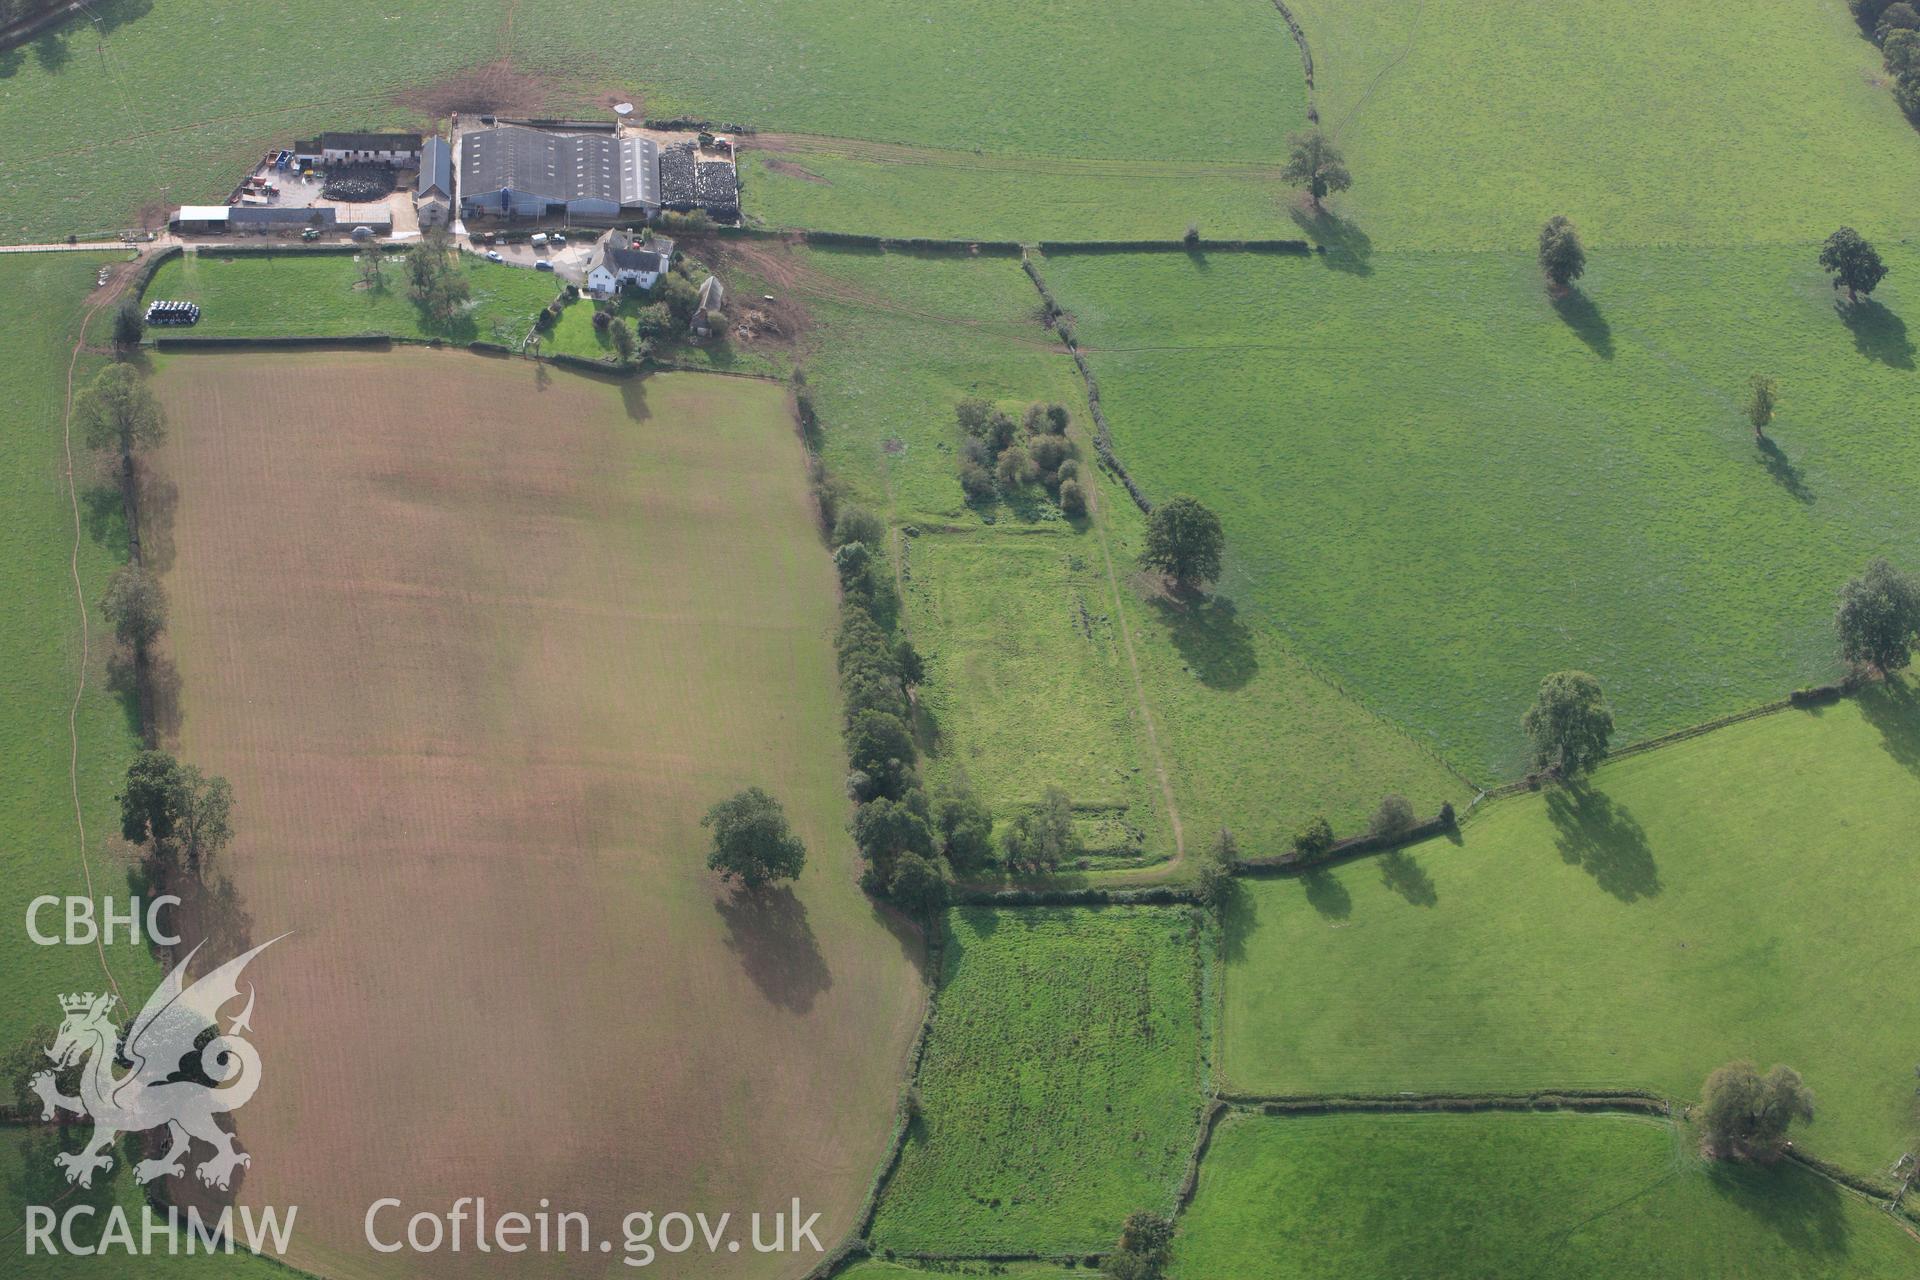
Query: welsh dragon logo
[(174, 1047)]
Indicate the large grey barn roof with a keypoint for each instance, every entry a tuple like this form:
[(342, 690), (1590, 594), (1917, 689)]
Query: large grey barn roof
[(560, 166), (436, 168)]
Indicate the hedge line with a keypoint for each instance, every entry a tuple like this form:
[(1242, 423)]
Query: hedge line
[(1040, 896), (187, 342), (1352, 847), (143, 274), (273, 250), (1636, 1100), (919, 244), (1102, 434), (1865, 1186), (1056, 247)]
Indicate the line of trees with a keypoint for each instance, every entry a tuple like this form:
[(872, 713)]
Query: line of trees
[(1894, 25)]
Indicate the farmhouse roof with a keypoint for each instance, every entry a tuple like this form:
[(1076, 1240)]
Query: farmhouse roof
[(436, 168), (560, 166), (370, 142), (618, 252)]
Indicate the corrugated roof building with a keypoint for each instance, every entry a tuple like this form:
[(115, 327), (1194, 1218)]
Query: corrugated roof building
[(433, 191), (516, 172)]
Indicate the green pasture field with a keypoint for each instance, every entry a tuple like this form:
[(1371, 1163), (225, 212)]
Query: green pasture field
[(1027, 681), (960, 195), (1494, 1196), (1647, 123), (321, 295), (1252, 737), (43, 297), (882, 1269), (1061, 1084), (1748, 893), (28, 1176), (107, 117), (1440, 486)]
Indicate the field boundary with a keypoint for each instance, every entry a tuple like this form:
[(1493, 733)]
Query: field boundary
[(1306, 55)]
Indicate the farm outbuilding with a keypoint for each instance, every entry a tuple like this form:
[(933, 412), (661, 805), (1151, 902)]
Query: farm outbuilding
[(201, 218), (516, 172), (395, 150), (433, 191)]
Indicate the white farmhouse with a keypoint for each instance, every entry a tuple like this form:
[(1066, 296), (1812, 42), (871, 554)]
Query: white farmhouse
[(620, 259)]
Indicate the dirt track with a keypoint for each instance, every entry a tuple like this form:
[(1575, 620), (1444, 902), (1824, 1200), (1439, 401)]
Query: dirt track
[(476, 647)]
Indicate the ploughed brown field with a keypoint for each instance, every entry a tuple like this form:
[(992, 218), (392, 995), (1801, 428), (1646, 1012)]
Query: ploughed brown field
[(477, 646)]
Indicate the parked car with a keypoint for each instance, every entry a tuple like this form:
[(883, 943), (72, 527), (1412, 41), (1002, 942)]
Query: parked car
[(311, 233), (493, 255), (557, 238), (363, 233), (543, 265)]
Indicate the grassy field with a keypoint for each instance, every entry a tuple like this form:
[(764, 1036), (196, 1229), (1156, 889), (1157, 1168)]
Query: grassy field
[(1440, 487), (1027, 681), (1745, 894), (475, 671), (835, 185), (1497, 1196), (1252, 738), (310, 295), (1110, 80), (1061, 1083), (42, 298), (1640, 120)]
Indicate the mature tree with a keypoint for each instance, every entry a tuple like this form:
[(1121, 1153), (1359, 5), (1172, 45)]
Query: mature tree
[(1745, 1113), (1314, 839), (129, 324), (1146, 1240), (885, 828), (1317, 165), (1015, 468), (135, 604), (913, 668), (1562, 256), (27, 1059), (434, 278), (1393, 819), (1901, 52), (1044, 836), (857, 524), (1184, 540), (880, 746), (751, 840), (1569, 723), (964, 823), (174, 808), (1214, 878), (1761, 399), (118, 412), (918, 886), (1867, 12), (1852, 262), (622, 335), (203, 815), (1899, 16), (1073, 499), (972, 414), (1878, 617), (372, 264)]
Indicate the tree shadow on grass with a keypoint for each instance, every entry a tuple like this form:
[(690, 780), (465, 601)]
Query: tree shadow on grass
[(1878, 334), (1584, 318), (1803, 1210), (768, 930), (1237, 921), (1343, 245), (159, 500), (163, 692), (51, 52), (1211, 638), (105, 515), (1602, 836), (39, 1181), (1892, 707), (1406, 877), (1784, 473), (1327, 895)]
